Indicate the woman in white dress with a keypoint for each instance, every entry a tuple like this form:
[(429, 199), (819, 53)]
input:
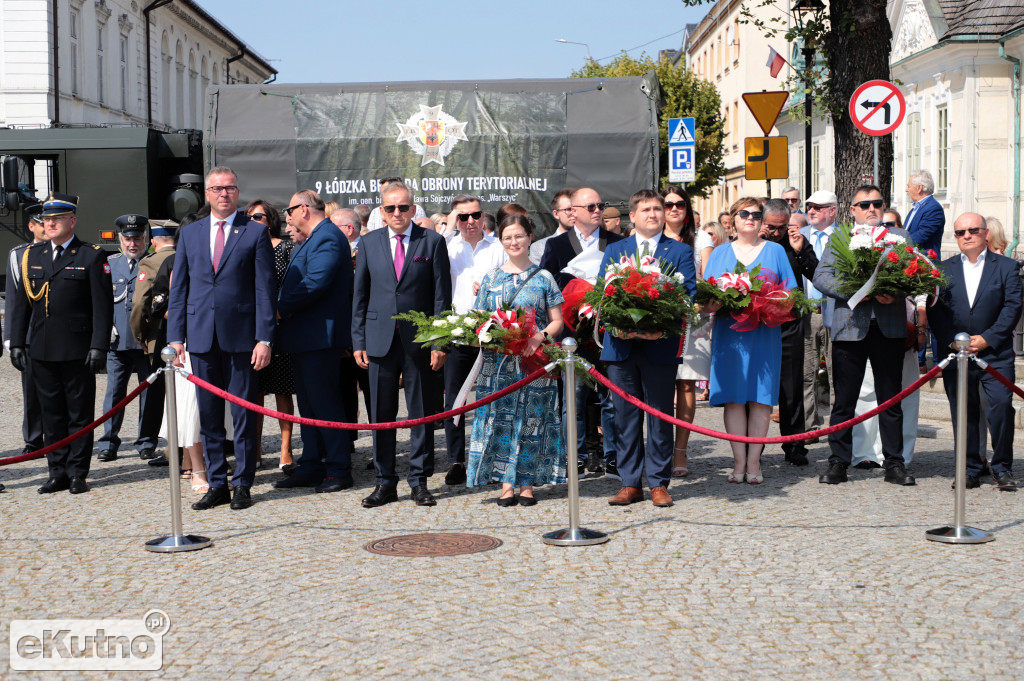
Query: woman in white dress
[(680, 225)]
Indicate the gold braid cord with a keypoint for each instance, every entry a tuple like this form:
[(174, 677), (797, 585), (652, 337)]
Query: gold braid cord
[(44, 291)]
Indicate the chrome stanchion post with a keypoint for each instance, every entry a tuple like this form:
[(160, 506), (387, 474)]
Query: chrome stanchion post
[(176, 541), (574, 535), (959, 533)]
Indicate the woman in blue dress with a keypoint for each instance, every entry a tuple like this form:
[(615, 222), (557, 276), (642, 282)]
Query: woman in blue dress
[(518, 440), (745, 365)]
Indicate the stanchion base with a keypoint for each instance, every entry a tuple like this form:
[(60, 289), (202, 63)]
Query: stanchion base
[(182, 542), (579, 536), (959, 535)]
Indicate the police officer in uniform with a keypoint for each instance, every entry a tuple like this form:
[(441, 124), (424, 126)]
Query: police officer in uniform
[(32, 419), (68, 308), (147, 322), (125, 357)]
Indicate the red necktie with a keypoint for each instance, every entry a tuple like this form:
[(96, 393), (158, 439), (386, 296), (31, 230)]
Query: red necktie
[(218, 244), (399, 255)]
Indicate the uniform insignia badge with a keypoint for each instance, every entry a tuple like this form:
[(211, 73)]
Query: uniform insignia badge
[(106, 268), (142, 276)]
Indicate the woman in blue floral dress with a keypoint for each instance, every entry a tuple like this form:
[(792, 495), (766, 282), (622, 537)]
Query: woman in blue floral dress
[(518, 440)]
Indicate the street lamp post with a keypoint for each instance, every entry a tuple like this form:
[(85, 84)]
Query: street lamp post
[(573, 42), (800, 9)]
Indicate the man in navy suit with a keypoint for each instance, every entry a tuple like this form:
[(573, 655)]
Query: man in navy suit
[(223, 303), (876, 329), (645, 364), (399, 269), (983, 299), (926, 223), (315, 307)]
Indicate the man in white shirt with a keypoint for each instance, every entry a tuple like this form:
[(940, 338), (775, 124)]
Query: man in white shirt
[(472, 254)]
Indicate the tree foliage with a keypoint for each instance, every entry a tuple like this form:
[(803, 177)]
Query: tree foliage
[(683, 95)]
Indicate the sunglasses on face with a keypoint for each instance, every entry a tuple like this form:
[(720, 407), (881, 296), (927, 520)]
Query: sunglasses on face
[(744, 214), (958, 233), (875, 203), (289, 209), (257, 216), (591, 207), (402, 208), (889, 224), (463, 217), (814, 206), (776, 228), (792, 200), (669, 205)]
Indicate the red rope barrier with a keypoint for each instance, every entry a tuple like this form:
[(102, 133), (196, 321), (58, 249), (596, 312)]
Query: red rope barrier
[(74, 436), (765, 440), (1004, 380), (259, 409)]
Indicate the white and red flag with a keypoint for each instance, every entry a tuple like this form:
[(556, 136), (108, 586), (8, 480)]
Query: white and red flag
[(775, 62)]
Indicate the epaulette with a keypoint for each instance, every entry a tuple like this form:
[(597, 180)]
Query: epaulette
[(112, 255), (97, 247)]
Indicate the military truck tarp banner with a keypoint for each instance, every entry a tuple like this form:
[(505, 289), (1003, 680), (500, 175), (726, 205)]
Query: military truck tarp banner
[(504, 141)]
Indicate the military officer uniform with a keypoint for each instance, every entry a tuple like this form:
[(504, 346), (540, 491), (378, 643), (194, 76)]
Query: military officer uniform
[(148, 325), (67, 308), (125, 356)]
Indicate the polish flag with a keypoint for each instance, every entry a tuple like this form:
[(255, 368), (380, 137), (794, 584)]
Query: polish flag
[(775, 62)]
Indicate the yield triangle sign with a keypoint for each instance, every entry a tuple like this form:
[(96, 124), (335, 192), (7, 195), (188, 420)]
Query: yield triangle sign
[(766, 107)]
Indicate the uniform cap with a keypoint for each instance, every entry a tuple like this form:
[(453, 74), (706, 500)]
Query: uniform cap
[(132, 224), (60, 204)]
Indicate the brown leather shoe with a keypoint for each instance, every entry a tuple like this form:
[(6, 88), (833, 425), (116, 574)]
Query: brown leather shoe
[(627, 496), (660, 497)]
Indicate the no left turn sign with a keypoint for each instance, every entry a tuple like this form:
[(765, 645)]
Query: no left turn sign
[(877, 107)]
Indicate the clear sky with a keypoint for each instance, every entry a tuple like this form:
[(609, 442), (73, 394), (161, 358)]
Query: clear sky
[(355, 40)]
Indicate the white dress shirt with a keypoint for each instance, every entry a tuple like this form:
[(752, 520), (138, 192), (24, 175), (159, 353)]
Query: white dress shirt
[(394, 242), (469, 265), (972, 275), (64, 247), (228, 221), (587, 241)]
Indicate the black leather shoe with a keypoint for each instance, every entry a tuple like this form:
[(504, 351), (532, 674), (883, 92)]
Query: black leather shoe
[(422, 496), (1005, 481), (456, 475), (296, 481), (160, 461), (147, 454), (54, 485), (527, 501), (611, 470), (2, 488), (331, 484), (797, 458), (216, 496), (107, 455), (867, 465), (594, 465), (379, 496), (506, 502), (898, 475), (972, 482), (29, 448), (581, 467), (78, 486), (835, 474), (241, 499)]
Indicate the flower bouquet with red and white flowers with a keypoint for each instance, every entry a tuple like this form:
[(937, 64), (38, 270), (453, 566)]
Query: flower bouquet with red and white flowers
[(639, 294), (753, 298), (871, 261)]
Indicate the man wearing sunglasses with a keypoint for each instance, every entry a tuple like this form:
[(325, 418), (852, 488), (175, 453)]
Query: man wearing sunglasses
[(561, 208), (400, 268), (472, 253), (791, 195), (586, 233), (875, 330), (982, 299), (223, 302)]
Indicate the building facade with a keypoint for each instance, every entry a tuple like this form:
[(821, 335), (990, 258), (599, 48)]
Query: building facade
[(93, 62)]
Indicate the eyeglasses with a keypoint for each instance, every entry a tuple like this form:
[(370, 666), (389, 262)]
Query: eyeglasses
[(563, 210), (226, 189), (591, 207), (402, 208), (875, 203), (258, 216), (744, 214), (669, 205), (796, 200), (464, 217), (889, 224), (289, 209), (776, 228), (958, 233), (814, 206), (514, 237)]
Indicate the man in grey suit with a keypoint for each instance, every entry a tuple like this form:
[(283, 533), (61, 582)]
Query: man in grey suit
[(876, 329), (399, 269)]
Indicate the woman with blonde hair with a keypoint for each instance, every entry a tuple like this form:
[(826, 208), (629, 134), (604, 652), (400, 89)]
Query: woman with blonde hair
[(997, 242)]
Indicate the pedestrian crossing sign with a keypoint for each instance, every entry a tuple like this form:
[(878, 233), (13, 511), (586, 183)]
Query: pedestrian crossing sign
[(681, 131)]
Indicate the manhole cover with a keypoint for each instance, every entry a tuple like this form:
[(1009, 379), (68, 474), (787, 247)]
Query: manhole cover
[(433, 544)]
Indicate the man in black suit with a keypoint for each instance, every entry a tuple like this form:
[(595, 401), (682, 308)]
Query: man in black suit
[(586, 233), (983, 299), (399, 269), (68, 307)]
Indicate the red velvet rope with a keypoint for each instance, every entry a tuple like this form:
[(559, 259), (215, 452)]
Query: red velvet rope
[(259, 409), (74, 436), (766, 440), (1004, 380)]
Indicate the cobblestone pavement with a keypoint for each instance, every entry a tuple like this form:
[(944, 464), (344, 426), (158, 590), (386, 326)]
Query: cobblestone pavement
[(790, 579)]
